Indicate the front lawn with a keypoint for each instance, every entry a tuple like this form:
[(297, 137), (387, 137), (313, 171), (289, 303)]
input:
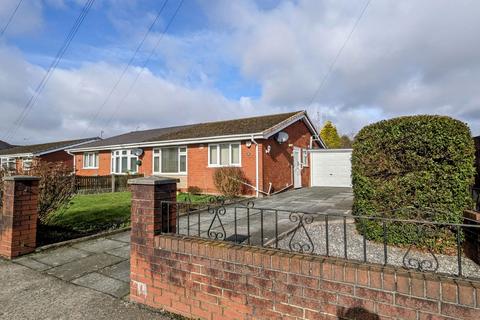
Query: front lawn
[(93, 213)]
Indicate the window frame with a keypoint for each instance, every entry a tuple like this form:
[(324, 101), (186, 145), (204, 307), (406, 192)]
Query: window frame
[(304, 158), (27, 160), (230, 164), (113, 163), (159, 155), (96, 160), (8, 161)]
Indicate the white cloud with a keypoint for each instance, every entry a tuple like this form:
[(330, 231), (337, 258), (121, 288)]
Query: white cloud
[(405, 57)]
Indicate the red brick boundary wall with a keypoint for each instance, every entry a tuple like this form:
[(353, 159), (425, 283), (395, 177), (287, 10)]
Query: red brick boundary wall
[(207, 279), (18, 218)]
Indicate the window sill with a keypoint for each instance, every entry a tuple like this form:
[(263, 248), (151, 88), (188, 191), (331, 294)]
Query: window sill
[(224, 166), (171, 173), (90, 168)]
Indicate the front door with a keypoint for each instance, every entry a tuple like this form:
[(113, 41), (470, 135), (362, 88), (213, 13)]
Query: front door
[(297, 167)]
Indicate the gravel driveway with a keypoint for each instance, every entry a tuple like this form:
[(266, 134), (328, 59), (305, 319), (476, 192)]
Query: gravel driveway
[(375, 251)]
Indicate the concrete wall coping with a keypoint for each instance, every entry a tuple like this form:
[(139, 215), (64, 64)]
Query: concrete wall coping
[(152, 181), (21, 178)]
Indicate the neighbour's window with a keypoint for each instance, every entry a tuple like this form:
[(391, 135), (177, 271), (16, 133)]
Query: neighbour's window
[(8, 164), (170, 160), (224, 154), (27, 164), (124, 161), (305, 158), (90, 160)]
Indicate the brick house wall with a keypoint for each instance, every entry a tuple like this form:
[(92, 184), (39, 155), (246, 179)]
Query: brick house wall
[(278, 164)]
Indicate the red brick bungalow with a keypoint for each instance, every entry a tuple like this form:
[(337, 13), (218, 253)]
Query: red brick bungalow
[(21, 158), (271, 150)]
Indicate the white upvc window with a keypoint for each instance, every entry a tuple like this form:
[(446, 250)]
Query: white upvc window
[(8, 164), (27, 164), (90, 160), (124, 161), (171, 160), (224, 155), (305, 158)]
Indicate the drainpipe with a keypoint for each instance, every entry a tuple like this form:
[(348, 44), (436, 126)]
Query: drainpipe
[(256, 166)]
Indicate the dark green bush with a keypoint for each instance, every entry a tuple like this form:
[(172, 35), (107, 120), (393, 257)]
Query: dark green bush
[(414, 162)]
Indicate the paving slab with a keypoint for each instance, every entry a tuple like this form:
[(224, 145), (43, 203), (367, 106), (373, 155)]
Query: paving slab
[(119, 271), (124, 237), (32, 264), (77, 268), (99, 245), (59, 256), (104, 284), (122, 252)]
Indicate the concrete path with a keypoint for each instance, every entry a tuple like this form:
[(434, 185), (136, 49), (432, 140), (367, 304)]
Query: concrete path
[(102, 264), (29, 294)]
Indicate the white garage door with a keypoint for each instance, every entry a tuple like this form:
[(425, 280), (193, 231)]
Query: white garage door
[(331, 168)]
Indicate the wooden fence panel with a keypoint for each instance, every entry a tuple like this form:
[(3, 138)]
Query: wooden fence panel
[(101, 184)]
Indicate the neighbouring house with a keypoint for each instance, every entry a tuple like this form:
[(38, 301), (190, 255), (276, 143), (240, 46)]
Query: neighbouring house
[(272, 151), (4, 145), (21, 158)]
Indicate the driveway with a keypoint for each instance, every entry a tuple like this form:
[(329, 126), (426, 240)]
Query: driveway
[(91, 273), (269, 218)]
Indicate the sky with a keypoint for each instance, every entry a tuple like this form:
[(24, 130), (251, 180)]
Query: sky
[(227, 59)]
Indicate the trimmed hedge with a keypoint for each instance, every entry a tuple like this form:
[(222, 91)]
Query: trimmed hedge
[(415, 162)]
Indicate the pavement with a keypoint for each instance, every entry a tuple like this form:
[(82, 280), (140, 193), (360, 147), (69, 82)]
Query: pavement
[(30, 294), (90, 279)]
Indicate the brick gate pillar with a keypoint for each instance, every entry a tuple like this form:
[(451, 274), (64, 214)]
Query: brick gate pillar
[(18, 217), (149, 217)]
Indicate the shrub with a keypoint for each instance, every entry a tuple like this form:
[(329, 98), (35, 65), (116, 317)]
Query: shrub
[(194, 190), (228, 180), (418, 162), (56, 187)]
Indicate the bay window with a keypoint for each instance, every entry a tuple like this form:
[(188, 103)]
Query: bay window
[(170, 160), (90, 160), (224, 154), (8, 164), (124, 161)]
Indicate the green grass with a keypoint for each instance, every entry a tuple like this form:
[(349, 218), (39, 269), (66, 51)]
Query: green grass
[(96, 212), (100, 212)]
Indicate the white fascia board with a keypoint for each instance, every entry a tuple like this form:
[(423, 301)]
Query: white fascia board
[(171, 142), (18, 155), (64, 148), (295, 118)]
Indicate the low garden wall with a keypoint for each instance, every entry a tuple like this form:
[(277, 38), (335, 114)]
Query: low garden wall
[(214, 280), (210, 279)]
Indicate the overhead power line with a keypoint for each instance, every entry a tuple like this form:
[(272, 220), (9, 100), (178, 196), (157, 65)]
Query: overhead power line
[(152, 52), (10, 18), (339, 53), (61, 52), (124, 71)]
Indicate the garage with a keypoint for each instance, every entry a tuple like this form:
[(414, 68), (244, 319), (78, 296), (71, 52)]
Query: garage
[(331, 168)]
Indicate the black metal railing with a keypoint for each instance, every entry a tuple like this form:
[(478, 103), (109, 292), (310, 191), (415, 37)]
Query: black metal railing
[(332, 235)]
